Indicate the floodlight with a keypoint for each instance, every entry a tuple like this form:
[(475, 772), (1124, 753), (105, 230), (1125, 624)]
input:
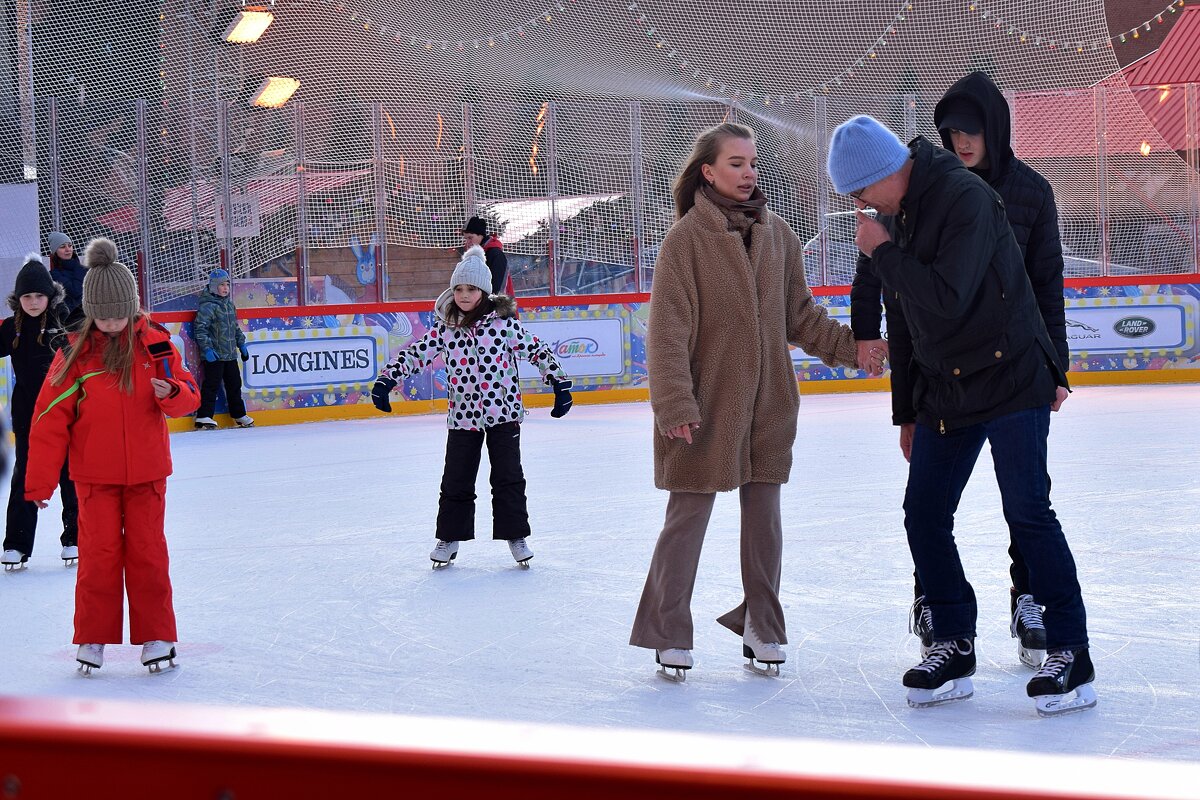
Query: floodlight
[(273, 92), (248, 25)]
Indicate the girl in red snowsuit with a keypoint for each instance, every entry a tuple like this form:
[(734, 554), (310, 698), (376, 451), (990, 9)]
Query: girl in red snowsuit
[(103, 402)]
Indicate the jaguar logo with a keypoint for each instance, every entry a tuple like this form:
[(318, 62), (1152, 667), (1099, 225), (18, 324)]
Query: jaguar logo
[(1134, 327), (1073, 323)]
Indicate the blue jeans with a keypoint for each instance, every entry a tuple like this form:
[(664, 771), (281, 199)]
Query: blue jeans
[(939, 468)]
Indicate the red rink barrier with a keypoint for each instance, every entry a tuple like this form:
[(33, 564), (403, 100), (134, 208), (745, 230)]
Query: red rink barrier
[(88, 750)]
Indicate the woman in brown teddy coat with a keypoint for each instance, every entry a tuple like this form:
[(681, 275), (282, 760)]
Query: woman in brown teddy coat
[(729, 296)]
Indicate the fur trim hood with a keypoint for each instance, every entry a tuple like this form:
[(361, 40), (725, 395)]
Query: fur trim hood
[(506, 307)]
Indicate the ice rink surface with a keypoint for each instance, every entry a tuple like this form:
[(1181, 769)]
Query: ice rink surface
[(302, 579)]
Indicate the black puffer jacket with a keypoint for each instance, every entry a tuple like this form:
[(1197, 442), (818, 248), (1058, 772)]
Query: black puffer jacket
[(967, 341), (1028, 201)]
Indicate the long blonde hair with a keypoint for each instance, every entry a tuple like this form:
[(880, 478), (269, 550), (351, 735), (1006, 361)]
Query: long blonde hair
[(707, 148), (118, 355)]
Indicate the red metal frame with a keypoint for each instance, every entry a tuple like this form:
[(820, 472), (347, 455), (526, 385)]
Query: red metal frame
[(55, 748), (566, 301)]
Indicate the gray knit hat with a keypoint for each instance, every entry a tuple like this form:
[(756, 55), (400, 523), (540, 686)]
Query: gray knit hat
[(473, 270), (109, 288), (55, 240)]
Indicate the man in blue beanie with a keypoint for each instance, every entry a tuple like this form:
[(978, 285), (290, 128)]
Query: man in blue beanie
[(971, 362)]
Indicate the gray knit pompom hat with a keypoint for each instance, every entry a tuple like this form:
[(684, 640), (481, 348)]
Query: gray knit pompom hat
[(109, 288)]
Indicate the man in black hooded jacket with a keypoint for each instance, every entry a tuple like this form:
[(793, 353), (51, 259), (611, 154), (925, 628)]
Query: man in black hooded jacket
[(972, 362), (974, 122)]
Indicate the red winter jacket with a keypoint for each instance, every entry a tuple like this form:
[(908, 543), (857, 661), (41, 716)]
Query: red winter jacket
[(114, 437)]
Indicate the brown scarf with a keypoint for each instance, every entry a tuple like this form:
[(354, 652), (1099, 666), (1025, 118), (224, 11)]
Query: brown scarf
[(741, 214)]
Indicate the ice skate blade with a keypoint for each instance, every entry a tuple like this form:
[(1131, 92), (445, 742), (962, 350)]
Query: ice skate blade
[(156, 667), (948, 692), (524, 564), (443, 564), (770, 670), (14, 567), (85, 669), (673, 674), (1030, 657), (1051, 705)]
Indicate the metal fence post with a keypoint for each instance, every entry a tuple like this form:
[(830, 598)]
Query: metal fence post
[(381, 194), (469, 198), (821, 134), (223, 216), (301, 211), (910, 116), (143, 205), (636, 191), (1101, 112), (55, 166), (552, 193), (1192, 157)]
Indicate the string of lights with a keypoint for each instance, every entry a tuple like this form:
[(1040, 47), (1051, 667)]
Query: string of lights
[(1027, 35)]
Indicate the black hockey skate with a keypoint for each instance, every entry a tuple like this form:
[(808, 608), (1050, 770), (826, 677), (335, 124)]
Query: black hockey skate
[(920, 623), (1064, 683), (1028, 630), (944, 674)]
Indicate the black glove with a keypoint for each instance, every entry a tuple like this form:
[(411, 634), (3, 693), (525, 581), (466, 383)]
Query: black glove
[(562, 397), (379, 394)]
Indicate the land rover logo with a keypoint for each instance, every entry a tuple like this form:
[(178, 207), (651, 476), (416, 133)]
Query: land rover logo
[(1134, 327)]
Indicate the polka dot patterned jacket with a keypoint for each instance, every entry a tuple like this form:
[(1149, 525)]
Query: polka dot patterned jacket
[(481, 364)]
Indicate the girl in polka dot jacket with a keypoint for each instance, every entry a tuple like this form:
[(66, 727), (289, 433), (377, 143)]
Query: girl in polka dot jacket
[(480, 340)]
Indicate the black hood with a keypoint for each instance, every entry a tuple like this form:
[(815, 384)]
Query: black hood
[(979, 90)]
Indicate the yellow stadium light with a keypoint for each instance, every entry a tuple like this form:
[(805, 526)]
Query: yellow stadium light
[(274, 92), (1145, 148), (248, 25)]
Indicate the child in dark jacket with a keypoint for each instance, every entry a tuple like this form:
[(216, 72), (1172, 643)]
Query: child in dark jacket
[(66, 269), (480, 342), (221, 341), (30, 338), (105, 400)]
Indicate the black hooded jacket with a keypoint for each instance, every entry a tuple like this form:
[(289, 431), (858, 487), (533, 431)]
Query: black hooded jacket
[(1028, 201), (967, 341)]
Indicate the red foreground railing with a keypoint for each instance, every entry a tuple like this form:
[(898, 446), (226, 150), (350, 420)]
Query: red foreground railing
[(85, 750)]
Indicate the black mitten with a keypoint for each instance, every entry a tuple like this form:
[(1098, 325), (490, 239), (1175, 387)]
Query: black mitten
[(562, 397), (379, 394)]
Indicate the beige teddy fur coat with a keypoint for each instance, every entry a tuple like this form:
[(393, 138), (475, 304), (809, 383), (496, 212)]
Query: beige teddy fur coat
[(717, 350)]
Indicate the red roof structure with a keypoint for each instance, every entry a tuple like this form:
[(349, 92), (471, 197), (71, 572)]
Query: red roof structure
[(1158, 79)]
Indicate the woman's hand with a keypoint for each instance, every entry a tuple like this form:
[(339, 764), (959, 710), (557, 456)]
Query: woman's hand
[(161, 388), (683, 431)]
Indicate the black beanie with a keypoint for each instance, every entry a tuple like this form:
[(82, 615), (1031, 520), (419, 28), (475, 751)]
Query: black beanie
[(34, 278)]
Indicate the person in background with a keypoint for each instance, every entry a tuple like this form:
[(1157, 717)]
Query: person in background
[(66, 269), (475, 233), (223, 346), (31, 337)]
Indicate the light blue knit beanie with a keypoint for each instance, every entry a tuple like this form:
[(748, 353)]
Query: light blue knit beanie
[(861, 152)]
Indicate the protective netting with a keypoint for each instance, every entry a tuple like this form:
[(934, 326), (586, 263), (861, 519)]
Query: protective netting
[(562, 122)]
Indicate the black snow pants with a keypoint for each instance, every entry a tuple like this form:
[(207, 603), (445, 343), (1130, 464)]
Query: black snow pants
[(456, 504)]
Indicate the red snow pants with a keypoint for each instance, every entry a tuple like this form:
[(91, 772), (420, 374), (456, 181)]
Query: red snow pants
[(122, 548)]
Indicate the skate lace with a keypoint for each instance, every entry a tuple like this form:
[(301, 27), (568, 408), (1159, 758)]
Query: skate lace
[(1054, 664), (1027, 613), (442, 547), (940, 654), (920, 618)]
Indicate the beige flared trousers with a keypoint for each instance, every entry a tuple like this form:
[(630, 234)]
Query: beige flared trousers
[(664, 616)]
